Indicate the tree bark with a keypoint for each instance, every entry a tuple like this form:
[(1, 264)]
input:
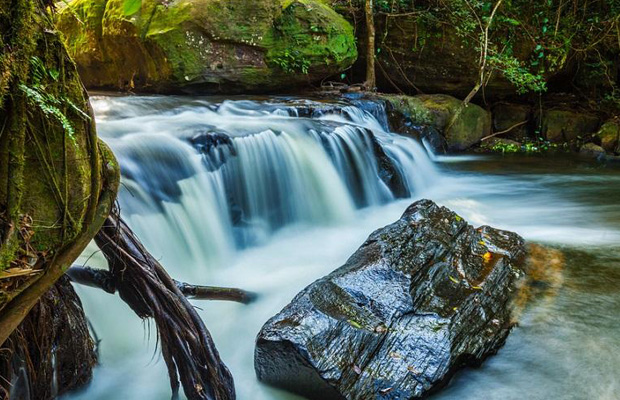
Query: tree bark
[(186, 344), (102, 279), (371, 80)]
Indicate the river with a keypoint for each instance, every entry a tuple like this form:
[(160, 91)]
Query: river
[(269, 194)]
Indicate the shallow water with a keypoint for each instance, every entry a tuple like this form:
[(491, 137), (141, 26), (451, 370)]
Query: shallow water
[(565, 347)]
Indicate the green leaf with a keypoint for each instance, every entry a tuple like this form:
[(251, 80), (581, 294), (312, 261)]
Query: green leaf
[(354, 324), (131, 7), (54, 73)]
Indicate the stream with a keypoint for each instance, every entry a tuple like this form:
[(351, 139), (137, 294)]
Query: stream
[(269, 194)]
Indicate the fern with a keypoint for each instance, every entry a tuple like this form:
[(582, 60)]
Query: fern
[(49, 105)]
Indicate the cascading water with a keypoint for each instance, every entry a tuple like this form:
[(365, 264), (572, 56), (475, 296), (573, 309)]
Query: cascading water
[(238, 170), (271, 194)]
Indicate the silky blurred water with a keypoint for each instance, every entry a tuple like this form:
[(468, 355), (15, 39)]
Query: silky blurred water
[(565, 347)]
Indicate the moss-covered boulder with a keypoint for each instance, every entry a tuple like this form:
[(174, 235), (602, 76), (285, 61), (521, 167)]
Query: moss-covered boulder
[(561, 125), (57, 181), (437, 110), (609, 136), (206, 45)]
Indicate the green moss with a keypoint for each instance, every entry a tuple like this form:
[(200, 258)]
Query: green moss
[(207, 42), (309, 34), (437, 110), (609, 135)]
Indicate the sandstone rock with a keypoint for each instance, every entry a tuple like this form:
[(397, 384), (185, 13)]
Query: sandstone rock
[(609, 136), (437, 110), (592, 150), (565, 125), (205, 45)]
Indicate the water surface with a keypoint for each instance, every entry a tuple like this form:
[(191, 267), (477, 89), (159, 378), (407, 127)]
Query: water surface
[(295, 192)]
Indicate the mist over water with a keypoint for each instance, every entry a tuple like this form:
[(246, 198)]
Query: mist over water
[(270, 195)]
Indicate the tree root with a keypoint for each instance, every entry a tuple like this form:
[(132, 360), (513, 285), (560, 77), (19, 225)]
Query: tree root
[(186, 344), (102, 279)]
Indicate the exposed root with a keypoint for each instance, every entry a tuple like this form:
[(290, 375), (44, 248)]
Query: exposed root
[(103, 279), (186, 344), (51, 352)]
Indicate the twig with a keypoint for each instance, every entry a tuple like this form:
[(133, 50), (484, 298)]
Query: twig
[(103, 279), (505, 131)]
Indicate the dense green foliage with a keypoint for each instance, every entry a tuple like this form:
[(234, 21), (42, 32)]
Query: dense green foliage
[(536, 45)]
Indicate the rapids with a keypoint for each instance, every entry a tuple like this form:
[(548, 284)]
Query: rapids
[(270, 194)]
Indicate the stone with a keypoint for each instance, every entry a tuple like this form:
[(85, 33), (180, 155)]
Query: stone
[(566, 125), (206, 46), (437, 110), (418, 300), (591, 150), (609, 136)]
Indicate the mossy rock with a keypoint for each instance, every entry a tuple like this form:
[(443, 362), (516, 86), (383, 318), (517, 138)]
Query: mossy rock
[(210, 46), (609, 136), (566, 125), (437, 110), (57, 181)]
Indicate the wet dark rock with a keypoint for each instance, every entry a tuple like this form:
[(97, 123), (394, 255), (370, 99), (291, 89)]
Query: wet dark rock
[(388, 172), (418, 300), (216, 146), (51, 352), (401, 123)]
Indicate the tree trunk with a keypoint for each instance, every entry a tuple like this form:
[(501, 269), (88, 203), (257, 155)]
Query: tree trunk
[(371, 80)]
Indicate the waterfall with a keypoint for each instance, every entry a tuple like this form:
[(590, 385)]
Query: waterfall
[(202, 176)]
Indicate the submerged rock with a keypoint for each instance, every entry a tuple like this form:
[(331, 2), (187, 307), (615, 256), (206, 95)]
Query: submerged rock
[(206, 45), (421, 298)]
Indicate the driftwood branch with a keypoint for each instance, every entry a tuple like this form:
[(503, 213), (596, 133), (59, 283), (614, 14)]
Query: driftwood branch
[(504, 131), (103, 279), (186, 345)]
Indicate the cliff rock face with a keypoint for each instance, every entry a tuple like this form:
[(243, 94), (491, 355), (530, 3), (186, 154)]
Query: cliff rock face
[(206, 45), (418, 300)]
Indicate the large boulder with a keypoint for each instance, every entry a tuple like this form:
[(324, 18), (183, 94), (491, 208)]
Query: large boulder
[(437, 110), (421, 298), (205, 45), (560, 125)]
